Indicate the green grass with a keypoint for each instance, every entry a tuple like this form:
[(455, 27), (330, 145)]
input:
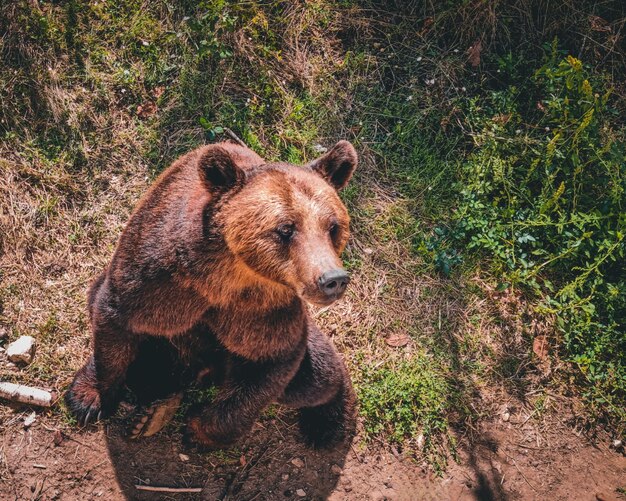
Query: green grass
[(407, 402)]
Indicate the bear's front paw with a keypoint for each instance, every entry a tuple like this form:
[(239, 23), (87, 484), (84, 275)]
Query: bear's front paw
[(83, 401), (199, 435)]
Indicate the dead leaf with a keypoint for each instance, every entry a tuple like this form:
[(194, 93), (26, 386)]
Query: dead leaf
[(599, 24), (473, 53), (146, 109), (540, 347), (398, 340), (502, 119), (58, 437), (157, 92)]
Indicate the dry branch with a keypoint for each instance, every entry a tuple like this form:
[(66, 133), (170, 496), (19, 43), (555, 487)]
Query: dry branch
[(167, 489), (25, 394)]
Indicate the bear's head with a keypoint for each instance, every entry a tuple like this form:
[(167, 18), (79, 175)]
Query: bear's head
[(286, 223)]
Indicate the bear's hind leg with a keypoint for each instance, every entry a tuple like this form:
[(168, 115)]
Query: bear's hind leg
[(322, 390)]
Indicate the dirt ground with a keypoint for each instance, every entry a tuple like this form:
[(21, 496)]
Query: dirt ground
[(516, 459)]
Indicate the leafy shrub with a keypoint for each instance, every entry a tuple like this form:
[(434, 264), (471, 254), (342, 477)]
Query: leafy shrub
[(543, 197)]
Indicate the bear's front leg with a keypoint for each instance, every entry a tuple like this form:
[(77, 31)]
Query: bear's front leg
[(94, 392), (248, 387), (323, 392)]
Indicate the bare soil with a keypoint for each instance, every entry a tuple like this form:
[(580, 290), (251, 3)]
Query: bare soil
[(510, 460)]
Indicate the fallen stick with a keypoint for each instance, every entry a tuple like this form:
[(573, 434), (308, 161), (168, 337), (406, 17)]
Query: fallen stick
[(25, 394), (234, 137), (167, 489)]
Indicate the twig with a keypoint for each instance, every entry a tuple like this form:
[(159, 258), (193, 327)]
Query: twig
[(25, 394), (521, 473), (167, 489), (234, 137)]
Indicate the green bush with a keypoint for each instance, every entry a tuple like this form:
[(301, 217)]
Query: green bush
[(542, 197)]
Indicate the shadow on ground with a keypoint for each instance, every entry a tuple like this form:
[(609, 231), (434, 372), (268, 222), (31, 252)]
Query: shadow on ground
[(272, 463)]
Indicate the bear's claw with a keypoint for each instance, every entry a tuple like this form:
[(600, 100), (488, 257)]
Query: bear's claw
[(85, 407), (154, 418)]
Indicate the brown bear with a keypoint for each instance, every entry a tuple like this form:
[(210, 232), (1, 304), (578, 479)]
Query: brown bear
[(216, 263)]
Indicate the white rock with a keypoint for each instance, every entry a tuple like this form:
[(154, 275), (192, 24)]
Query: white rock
[(30, 419), (301, 493), (420, 441), (183, 457), (22, 350), (506, 416)]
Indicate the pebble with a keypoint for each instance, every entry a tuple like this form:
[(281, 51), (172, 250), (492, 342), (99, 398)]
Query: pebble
[(336, 469), (420, 441), (22, 350), (377, 496), (285, 476), (30, 419), (183, 457), (617, 444), (297, 462), (301, 493), (506, 416)]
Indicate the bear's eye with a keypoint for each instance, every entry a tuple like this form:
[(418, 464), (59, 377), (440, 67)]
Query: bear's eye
[(333, 230), (286, 231)]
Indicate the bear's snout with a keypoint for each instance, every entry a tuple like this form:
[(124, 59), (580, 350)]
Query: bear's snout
[(333, 283)]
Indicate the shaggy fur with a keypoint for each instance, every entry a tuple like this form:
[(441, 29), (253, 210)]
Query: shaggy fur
[(210, 276)]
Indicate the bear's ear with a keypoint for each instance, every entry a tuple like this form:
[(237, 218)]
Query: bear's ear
[(337, 165), (218, 170)]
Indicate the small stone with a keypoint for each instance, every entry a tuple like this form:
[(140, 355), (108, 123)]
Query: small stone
[(22, 350), (301, 493), (368, 251), (297, 462), (285, 477), (60, 351), (420, 441), (183, 457), (318, 148), (336, 469), (506, 416), (377, 496), (617, 444), (30, 419), (605, 496)]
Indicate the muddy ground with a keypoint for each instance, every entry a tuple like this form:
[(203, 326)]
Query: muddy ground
[(516, 459)]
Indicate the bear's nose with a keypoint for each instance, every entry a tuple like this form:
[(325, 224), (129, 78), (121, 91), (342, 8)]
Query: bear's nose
[(334, 282)]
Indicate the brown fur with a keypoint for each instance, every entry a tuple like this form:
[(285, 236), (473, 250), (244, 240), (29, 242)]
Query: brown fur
[(204, 256)]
